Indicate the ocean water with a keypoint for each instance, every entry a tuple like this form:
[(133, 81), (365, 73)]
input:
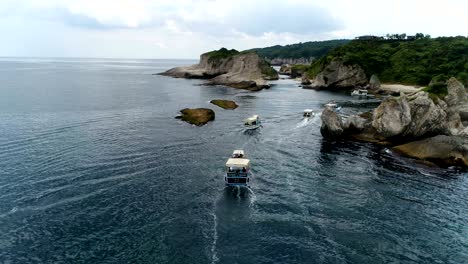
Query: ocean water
[(95, 169)]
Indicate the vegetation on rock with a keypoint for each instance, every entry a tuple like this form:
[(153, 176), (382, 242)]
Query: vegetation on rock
[(413, 62), (313, 49), (222, 53)]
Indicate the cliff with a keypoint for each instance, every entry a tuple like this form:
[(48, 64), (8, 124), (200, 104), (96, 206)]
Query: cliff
[(244, 70)]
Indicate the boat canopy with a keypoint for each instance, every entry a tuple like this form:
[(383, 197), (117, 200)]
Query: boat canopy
[(238, 152), (251, 119), (308, 110), (238, 163)]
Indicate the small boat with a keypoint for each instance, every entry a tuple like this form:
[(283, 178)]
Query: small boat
[(252, 122), (359, 92), (333, 105), (308, 113), (237, 169)]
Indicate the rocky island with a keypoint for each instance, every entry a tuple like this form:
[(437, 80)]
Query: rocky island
[(243, 70)]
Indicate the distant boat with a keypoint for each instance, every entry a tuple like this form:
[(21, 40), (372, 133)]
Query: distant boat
[(252, 122), (308, 113), (237, 169), (359, 92), (333, 105)]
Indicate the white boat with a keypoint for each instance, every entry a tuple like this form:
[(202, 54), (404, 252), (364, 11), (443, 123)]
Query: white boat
[(359, 92), (333, 105), (252, 122), (237, 170), (308, 113)]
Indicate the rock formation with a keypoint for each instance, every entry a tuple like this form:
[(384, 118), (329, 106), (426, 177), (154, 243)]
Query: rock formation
[(443, 150), (231, 68), (337, 75), (374, 82), (197, 116), (407, 118), (226, 104), (285, 69), (332, 126)]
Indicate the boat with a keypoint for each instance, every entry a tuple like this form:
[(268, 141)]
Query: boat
[(359, 92), (333, 105), (308, 113), (252, 122), (237, 169)]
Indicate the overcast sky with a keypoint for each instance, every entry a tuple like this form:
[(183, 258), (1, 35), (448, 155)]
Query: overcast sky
[(184, 29)]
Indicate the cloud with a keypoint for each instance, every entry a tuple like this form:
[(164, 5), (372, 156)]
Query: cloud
[(186, 28)]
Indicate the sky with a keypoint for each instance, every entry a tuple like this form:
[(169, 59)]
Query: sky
[(178, 29)]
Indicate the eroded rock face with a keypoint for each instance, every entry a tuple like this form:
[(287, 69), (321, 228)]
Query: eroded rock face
[(374, 82), (197, 116), (337, 75), (441, 149), (244, 70), (427, 118), (456, 93), (332, 126), (392, 117)]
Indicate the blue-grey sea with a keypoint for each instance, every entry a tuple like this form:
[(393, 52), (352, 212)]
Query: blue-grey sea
[(95, 169)]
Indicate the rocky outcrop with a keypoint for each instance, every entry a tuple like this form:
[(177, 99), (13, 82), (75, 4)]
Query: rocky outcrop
[(337, 75), (456, 93), (285, 69), (442, 150), (374, 82), (197, 116), (332, 126), (226, 104), (407, 118), (392, 117), (231, 68)]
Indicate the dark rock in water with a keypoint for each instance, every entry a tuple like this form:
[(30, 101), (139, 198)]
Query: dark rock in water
[(226, 104), (197, 116), (231, 68), (332, 126), (442, 150)]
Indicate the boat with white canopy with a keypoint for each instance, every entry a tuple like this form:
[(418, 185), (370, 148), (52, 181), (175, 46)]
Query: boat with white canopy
[(237, 169), (308, 113), (252, 122), (359, 92)]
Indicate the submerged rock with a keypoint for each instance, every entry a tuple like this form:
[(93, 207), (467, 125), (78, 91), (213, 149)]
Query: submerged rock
[(231, 68), (226, 104), (441, 149), (197, 116), (338, 75)]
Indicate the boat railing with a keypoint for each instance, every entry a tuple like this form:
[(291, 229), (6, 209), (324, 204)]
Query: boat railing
[(237, 174)]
